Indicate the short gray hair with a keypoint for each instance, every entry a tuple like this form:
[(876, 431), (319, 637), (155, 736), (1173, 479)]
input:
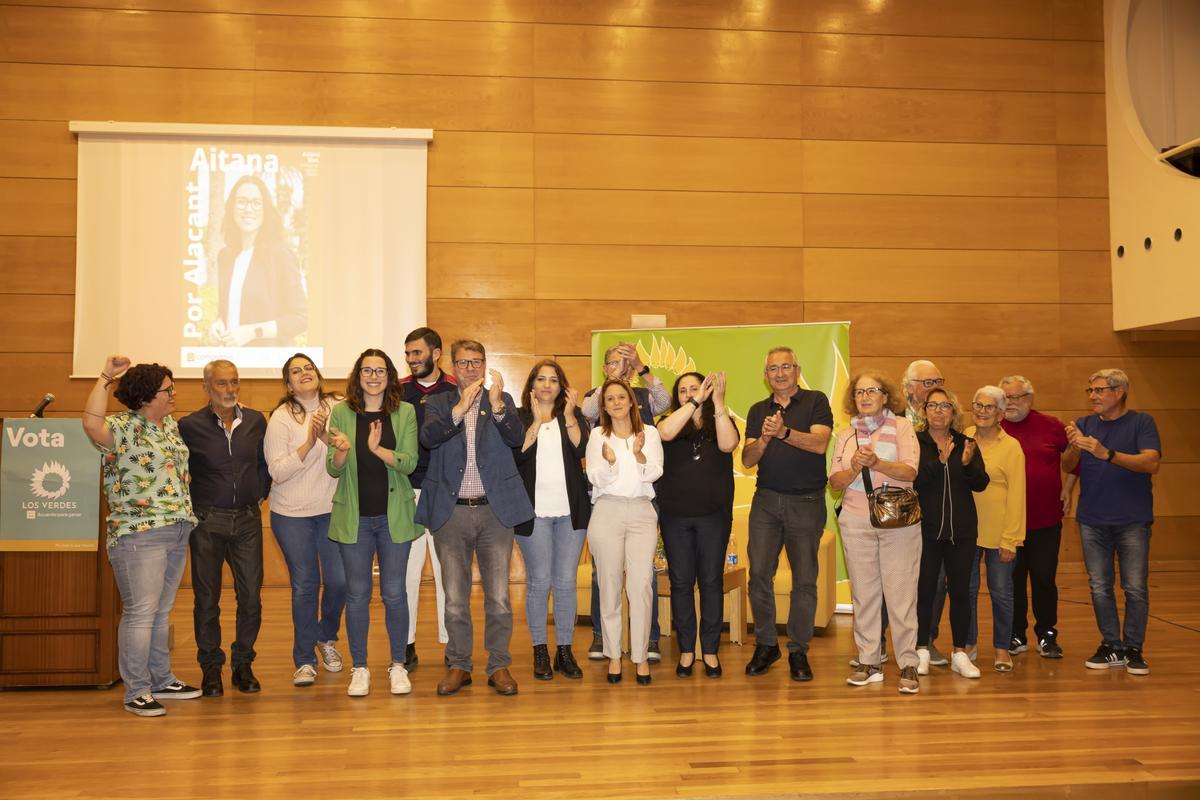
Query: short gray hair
[(1113, 377), (994, 392), (212, 365), (1021, 379), (910, 374), (782, 349)]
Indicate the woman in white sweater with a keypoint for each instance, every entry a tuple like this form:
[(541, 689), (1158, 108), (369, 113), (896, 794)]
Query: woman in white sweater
[(301, 501), (624, 458)]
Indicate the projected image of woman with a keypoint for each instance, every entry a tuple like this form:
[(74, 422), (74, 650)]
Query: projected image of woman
[(262, 298)]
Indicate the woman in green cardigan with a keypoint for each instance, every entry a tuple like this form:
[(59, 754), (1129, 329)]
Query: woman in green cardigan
[(373, 434)]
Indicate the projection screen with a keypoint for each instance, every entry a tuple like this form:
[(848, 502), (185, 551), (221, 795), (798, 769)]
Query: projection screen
[(247, 242)]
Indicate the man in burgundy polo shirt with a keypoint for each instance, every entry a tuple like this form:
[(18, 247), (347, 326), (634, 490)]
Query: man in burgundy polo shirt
[(1043, 438)]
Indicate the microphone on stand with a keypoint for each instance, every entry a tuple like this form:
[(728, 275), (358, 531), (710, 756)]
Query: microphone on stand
[(41, 407)]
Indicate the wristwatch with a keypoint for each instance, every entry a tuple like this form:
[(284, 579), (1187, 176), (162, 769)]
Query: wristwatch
[(692, 400), (1111, 455), (644, 371)]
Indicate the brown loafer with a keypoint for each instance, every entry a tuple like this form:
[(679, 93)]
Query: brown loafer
[(502, 682), (455, 679)]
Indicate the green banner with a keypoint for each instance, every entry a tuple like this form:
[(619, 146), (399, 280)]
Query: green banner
[(822, 348), (49, 486)]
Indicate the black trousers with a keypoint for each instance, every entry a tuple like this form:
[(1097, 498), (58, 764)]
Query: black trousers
[(695, 548), (1037, 559), (958, 559), (234, 536)]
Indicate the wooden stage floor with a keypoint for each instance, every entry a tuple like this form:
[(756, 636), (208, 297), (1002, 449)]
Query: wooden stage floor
[(1050, 728)]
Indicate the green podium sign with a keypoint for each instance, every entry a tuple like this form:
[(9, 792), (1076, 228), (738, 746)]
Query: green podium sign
[(49, 486)]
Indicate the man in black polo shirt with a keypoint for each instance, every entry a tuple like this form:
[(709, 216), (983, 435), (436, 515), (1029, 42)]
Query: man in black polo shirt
[(422, 352), (786, 438), (229, 480)]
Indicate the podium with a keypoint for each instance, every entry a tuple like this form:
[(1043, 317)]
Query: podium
[(58, 608)]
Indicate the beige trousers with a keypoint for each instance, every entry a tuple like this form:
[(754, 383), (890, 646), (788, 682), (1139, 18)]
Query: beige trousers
[(883, 566), (622, 537)]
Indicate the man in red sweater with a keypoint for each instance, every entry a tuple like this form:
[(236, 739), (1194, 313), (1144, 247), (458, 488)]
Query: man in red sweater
[(1043, 438)]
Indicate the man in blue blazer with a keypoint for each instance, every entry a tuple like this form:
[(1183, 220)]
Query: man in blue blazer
[(471, 499)]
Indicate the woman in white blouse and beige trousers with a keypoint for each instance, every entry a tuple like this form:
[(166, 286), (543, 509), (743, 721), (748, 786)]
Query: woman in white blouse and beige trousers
[(624, 458)]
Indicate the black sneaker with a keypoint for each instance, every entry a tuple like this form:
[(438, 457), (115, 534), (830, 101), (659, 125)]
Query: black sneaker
[(1135, 663), (596, 651), (145, 706), (410, 657), (1018, 644), (653, 654), (1047, 645), (1106, 658), (177, 690)]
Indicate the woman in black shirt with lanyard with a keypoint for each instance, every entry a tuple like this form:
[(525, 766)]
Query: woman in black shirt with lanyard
[(695, 497)]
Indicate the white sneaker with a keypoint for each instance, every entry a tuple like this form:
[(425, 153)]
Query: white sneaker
[(331, 659), (399, 678), (923, 661), (304, 676), (961, 663), (360, 682)]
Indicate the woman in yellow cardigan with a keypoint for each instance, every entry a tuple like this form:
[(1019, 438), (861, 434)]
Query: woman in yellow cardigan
[(1001, 508), (373, 438)]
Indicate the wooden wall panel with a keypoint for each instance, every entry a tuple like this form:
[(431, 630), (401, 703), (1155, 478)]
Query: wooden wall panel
[(365, 45), (36, 150), (479, 270), (480, 215), (993, 223), (65, 92), (660, 162), (401, 101), (641, 272), (458, 158), (37, 264), (934, 172), (841, 167), (678, 218), (34, 207), (913, 276), (72, 36)]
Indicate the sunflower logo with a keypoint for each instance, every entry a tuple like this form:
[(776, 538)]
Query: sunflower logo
[(51, 481)]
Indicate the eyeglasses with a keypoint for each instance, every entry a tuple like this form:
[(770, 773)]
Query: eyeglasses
[(775, 368), (869, 391), (469, 363), (1091, 390), (930, 383), (984, 408), (301, 370), (169, 390), (1016, 398), (252, 203), (377, 372), (939, 406), (614, 364)]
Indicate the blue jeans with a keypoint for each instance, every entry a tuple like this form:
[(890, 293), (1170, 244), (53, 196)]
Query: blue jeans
[(148, 567), (1131, 545), (655, 631), (1000, 587), (551, 555), (312, 561), (358, 559)]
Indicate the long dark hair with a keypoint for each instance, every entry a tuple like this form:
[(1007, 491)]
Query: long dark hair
[(635, 416), (271, 230), (708, 411), (392, 395), (560, 402), (293, 405)]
